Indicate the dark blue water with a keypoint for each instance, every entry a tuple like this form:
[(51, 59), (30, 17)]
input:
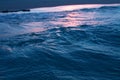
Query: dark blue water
[(82, 44)]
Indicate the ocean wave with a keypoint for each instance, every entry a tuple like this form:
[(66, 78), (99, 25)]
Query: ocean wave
[(102, 8), (67, 45)]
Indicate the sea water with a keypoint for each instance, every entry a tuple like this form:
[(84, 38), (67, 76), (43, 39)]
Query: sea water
[(77, 42)]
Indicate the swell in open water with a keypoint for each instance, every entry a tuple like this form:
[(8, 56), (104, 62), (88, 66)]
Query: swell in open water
[(78, 44)]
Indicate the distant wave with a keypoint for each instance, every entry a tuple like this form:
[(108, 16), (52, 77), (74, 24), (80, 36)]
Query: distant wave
[(101, 8), (75, 7)]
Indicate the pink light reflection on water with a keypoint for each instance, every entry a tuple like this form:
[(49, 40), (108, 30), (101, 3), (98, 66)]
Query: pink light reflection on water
[(74, 19), (71, 19), (33, 27)]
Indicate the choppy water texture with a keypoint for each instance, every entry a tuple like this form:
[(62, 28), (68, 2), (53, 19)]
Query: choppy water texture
[(78, 44)]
